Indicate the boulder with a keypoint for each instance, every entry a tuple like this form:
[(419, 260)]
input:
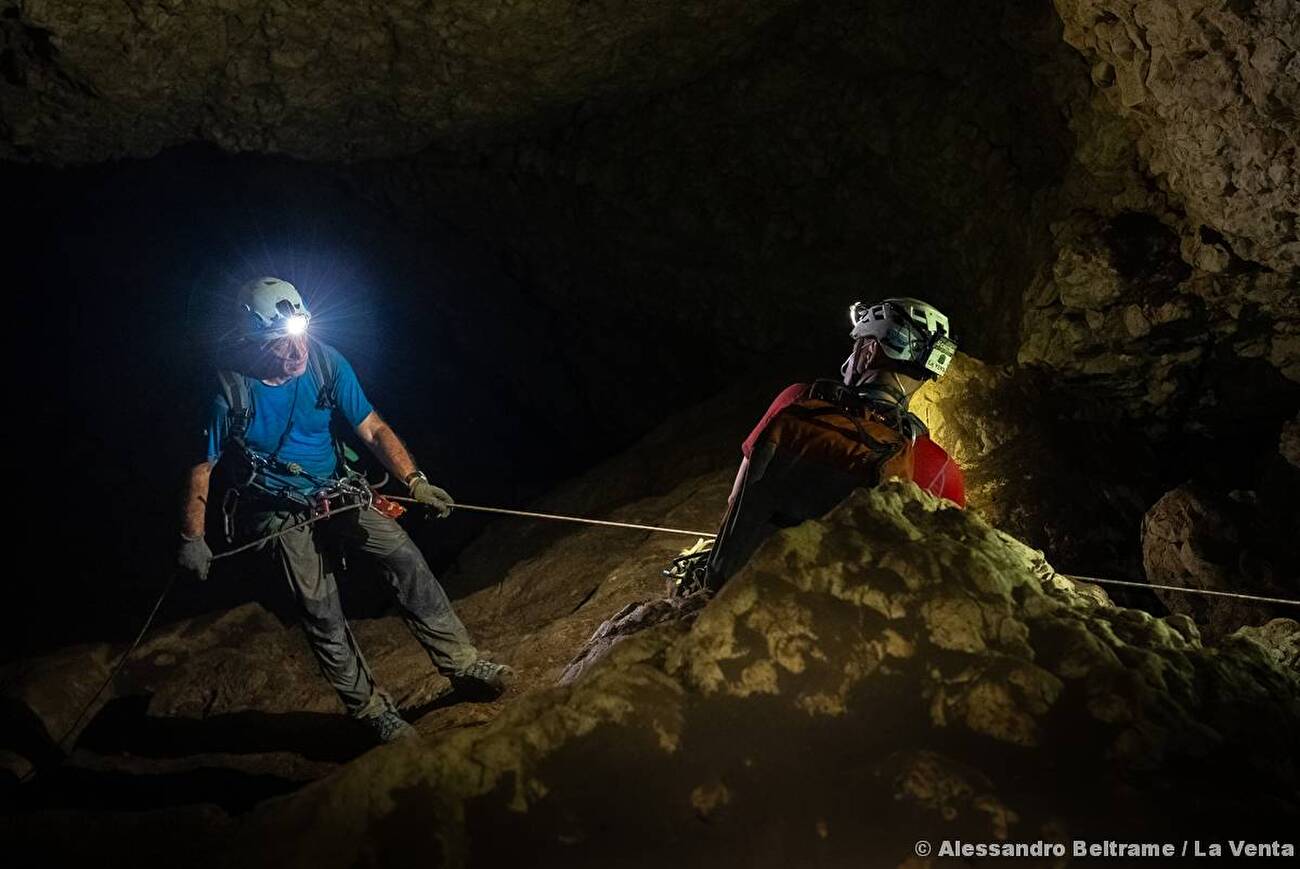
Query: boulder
[(898, 670)]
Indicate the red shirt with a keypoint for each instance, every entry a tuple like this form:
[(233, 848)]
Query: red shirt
[(932, 468)]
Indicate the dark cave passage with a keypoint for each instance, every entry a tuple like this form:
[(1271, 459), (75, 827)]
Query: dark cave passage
[(572, 251)]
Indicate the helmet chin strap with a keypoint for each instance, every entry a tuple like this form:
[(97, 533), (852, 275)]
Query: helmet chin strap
[(861, 374), (877, 387), (902, 390)]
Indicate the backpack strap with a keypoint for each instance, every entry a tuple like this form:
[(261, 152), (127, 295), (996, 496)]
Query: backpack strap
[(891, 413), (324, 374), (239, 401)]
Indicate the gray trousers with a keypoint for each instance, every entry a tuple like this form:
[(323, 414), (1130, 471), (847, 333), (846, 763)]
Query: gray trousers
[(305, 556)]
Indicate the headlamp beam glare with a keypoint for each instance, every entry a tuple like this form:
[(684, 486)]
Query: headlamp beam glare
[(296, 325)]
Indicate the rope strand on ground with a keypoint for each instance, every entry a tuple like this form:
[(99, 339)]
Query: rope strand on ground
[(135, 644)]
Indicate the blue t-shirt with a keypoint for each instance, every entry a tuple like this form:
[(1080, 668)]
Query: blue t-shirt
[(308, 441)]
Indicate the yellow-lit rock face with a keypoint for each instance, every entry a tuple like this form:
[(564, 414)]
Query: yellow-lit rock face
[(972, 693)]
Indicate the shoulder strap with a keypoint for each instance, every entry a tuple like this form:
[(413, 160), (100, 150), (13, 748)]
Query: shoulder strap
[(324, 373), (239, 400), (914, 427)]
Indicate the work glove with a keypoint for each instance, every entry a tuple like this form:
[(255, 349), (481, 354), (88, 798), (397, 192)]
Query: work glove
[(195, 556), (427, 493)]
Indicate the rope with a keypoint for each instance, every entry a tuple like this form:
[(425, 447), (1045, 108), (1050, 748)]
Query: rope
[(135, 644), (554, 516), (121, 662), (585, 521), (1206, 591), (295, 526)]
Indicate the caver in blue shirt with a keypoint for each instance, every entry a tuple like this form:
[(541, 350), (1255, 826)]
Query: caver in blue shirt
[(290, 410)]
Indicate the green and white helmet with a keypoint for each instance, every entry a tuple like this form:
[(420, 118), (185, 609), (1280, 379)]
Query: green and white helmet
[(271, 308), (913, 334)]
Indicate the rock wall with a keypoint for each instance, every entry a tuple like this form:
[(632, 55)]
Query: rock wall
[(1173, 283), (1210, 89), (1240, 540)]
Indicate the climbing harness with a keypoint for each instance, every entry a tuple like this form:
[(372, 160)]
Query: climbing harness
[(253, 468)]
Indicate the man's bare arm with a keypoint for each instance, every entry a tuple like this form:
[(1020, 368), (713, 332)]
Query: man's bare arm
[(387, 446), (195, 511)]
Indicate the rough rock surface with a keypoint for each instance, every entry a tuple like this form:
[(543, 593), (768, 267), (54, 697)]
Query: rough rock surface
[(1211, 88), (1243, 540), (931, 675), (1009, 430), (1281, 637), (333, 80), (1194, 537), (1171, 282), (928, 673)]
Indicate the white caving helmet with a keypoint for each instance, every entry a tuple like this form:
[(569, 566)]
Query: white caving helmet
[(271, 308), (913, 334)]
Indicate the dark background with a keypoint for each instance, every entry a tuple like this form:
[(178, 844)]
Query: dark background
[(125, 271)]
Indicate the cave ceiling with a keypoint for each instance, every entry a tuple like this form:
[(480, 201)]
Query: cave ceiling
[(335, 80)]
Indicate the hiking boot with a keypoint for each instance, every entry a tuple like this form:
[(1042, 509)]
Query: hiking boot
[(386, 723), (482, 680)]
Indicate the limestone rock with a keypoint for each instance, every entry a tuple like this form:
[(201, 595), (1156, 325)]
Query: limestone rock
[(907, 658), (1036, 460), (632, 619), (1193, 538), (332, 80), (1211, 89), (1281, 637), (1289, 443), (44, 699)]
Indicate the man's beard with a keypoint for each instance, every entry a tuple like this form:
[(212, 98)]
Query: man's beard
[(279, 358)]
